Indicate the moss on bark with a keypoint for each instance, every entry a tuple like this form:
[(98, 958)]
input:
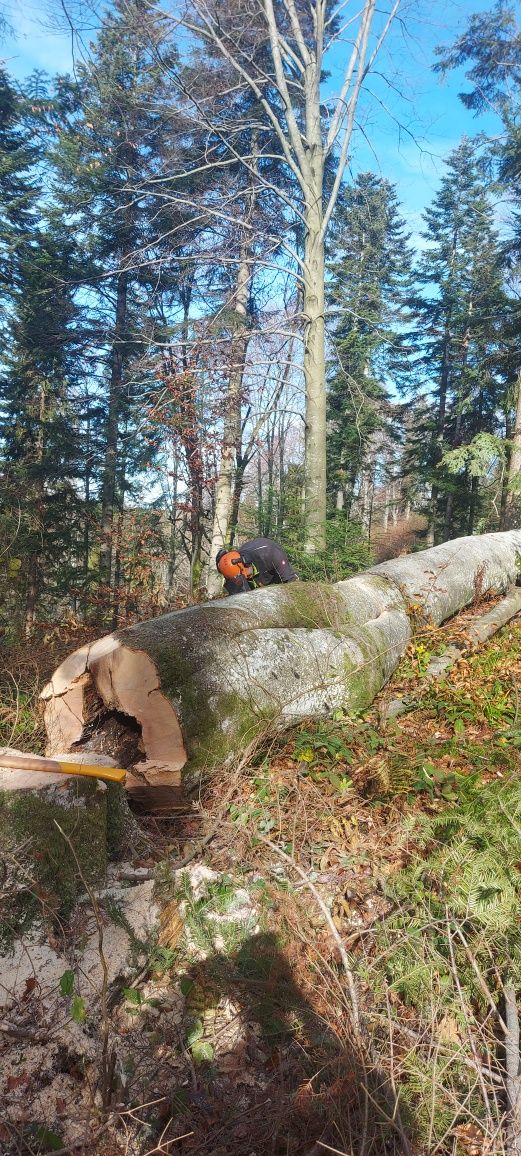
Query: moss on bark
[(48, 877)]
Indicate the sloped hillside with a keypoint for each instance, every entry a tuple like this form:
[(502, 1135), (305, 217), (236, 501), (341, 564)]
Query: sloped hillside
[(335, 959)]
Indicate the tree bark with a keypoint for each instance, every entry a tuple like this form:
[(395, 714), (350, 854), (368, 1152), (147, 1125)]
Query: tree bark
[(34, 565), (206, 681), (513, 1080), (315, 375), (222, 522), (110, 466), (513, 498)]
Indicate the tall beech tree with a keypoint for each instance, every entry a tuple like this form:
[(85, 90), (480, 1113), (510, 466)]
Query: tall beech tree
[(278, 50)]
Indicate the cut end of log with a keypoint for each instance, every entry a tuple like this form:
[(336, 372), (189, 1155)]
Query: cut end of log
[(110, 677), (207, 681)]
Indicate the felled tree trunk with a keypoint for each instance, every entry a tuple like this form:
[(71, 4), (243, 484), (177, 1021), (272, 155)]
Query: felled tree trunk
[(203, 682)]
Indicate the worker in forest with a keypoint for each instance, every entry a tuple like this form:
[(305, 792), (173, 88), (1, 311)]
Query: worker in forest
[(260, 562)]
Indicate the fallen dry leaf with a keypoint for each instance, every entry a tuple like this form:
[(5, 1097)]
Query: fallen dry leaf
[(14, 1082)]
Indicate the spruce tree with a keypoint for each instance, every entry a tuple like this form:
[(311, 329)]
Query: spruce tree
[(38, 431), (17, 184), (121, 126), (460, 312), (370, 285), (490, 47)]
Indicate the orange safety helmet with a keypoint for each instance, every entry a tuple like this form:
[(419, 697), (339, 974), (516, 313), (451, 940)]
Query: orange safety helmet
[(229, 563)]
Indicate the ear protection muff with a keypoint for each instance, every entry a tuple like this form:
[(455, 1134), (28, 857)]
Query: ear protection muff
[(229, 563)]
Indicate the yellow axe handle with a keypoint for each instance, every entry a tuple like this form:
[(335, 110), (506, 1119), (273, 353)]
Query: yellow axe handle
[(35, 763)]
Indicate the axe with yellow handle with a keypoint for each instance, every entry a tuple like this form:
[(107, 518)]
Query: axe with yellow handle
[(37, 763)]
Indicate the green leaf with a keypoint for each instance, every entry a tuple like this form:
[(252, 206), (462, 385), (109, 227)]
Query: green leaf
[(266, 825), (78, 1010), (186, 984), (50, 1141), (194, 1033), (67, 983), (133, 995), (202, 1052)]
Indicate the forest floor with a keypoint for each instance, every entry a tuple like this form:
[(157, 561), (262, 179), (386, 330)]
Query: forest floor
[(330, 970)]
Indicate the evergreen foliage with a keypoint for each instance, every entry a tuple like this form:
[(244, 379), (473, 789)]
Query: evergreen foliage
[(461, 310), (151, 226), (17, 183), (119, 132), (451, 943), (369, 296), (38, 429)]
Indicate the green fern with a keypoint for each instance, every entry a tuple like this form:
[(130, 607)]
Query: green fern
[(391, 777), (452, 936)]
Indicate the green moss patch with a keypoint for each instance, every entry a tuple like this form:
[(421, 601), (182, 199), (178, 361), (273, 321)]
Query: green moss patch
[(50, 875)]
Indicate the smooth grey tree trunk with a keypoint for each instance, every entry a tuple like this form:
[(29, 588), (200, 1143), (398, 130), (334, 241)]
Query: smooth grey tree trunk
[(203, 683), (513, 496), (232, 417), (299, 37), (315, 374)]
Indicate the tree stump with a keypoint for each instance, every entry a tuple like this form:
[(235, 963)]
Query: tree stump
[(42, 878)]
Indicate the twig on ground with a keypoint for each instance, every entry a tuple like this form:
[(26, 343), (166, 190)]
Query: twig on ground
[(464, 1011), (108, 1059), (329, 920), (23, 1034), (175, 1140), (484, 988), (513, 1083)]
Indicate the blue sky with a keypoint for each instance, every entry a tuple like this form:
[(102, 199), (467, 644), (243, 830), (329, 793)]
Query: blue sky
[(410, 125), (32, 43)]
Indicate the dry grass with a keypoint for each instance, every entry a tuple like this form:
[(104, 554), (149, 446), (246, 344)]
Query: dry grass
[(24, 670)]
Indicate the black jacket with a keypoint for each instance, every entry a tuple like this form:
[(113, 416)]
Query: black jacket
[(270, 565)]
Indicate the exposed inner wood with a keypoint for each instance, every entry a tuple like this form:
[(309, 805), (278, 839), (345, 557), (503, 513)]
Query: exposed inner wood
[(65, 716), (128, 681), (108, 677)]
